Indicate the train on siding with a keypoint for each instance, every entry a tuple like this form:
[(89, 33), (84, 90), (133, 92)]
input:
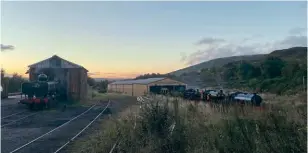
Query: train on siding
[(248, 98), (214, 95), (40, 94)]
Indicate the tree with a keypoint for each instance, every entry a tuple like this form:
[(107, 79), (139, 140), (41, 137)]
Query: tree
[(102, 86), (247, 71), (91, 81), (155, 75), (207, 76), (15, 83), (272, 67), (290, 69), (229, 72)]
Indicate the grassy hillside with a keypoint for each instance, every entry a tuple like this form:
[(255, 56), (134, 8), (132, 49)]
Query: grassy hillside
[(287, 54), (216, 63), (276, 72)]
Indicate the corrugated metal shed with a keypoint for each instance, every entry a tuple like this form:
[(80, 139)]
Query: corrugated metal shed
[(140, 81)]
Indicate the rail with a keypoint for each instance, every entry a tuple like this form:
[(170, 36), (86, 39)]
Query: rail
[(72, 139), (19, 148)]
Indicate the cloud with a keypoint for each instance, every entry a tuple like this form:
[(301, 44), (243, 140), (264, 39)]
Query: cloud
[(94, 73), (210, 40), (183, 57), (294, 41), (6, 47), (99, 73), (218, 48), (298, 31)]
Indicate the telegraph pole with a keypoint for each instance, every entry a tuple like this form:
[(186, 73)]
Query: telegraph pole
[(304, 86)]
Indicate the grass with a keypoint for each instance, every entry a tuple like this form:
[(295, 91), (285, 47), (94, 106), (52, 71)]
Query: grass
[(171, 125), (93, 97)]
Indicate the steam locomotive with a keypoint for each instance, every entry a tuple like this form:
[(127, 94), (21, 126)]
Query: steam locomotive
[(40, 94)]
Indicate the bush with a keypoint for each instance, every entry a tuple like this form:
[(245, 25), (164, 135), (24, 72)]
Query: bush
[(169, 126)]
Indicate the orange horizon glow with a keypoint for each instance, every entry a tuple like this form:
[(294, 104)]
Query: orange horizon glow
[(107, 75)]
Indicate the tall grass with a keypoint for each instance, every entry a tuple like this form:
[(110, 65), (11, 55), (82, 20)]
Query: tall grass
[(165, 125)]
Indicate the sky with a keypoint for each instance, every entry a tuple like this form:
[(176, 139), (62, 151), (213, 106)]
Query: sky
[(126, 39)]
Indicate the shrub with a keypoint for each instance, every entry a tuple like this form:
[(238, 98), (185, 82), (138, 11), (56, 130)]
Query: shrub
[(164, 125)]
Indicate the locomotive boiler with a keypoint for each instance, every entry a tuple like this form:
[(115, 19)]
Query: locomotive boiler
[(253, 99), (40, 94)]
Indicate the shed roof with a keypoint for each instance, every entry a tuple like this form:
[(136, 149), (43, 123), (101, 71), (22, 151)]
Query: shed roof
[(47, 64), (139, 81)]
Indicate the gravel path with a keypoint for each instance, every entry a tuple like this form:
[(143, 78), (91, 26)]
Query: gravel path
[(21, 132), (10, 106), (56, 139)]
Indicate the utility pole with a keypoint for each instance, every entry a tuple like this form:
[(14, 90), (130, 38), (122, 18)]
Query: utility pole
[(304, 86)]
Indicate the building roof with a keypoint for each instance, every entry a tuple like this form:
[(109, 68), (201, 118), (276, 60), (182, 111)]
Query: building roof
[(48, 64), (139, 81)]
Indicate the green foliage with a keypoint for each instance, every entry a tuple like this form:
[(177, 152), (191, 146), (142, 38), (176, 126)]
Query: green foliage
[(272, 67), (272, 74), (91, 81), (102, 86), (155, 75), (207, 75), (14, 82)]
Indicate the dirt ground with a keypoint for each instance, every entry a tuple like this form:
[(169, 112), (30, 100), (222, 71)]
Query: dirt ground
[(21, 132)]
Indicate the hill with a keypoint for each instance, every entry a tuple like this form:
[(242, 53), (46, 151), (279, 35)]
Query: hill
[(283, 65), (218, 62), (293, 53)]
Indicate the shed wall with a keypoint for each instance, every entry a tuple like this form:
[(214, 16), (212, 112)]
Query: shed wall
[(84, 84), (139, 89), (77, 86), (73, 89), (128, 89)]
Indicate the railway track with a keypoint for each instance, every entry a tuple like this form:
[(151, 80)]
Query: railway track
[(16, 117), (12, 114), (58, 138)]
